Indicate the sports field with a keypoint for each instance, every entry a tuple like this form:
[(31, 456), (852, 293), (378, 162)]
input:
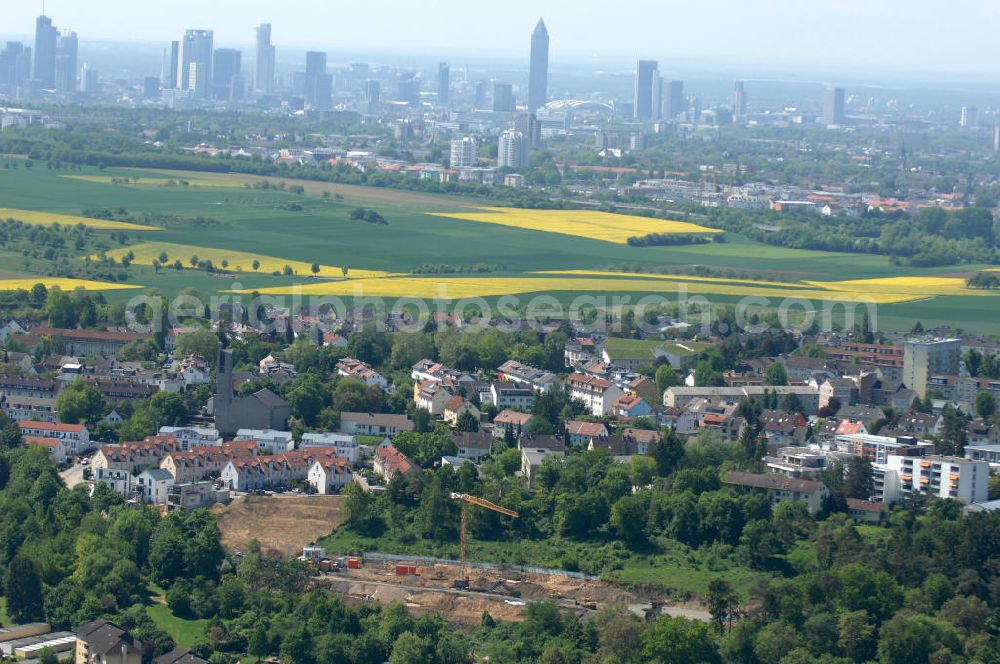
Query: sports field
[(562, 252)]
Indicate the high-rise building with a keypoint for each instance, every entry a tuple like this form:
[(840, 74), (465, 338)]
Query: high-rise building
[(926, 357), (15, 64), (90, 82), (480, 96), (408, 89), (739, 104), (673, 99), (464, 152), (969, 118), (227, 78), (530, 127), (833, 106), (151, 87), (996, 137), (513, 150), (67, 49), (373, 95), (171, 61), (194, 62), (318, 84), (444, 83), (46, 37), (263, 80), (538, 74), (657, 96), (645, 71), (503, 97)]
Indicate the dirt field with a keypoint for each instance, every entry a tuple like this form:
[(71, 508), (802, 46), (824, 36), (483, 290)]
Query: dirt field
[(282, 524), (431, 592)]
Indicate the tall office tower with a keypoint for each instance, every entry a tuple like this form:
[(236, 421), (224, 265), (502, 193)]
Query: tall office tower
[(503, 97), (833, 106), (171, 60), (513, 150), (227, 78), (194, 63), (673, 99), (46, 36), (408, 88), (480, 100), (151, 87), (996, 137), (464, 152), (528, 125), (538, 75), (67, 48), (90, 83), (263, 80), (739, 104), (926, 357), (970, 117), (15, 64), (318, 84), (373, 95), (444, 83), (645, 71), (657, 95)]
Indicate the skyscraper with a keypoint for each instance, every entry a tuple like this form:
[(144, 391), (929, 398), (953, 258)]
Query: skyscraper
[(503, 97), (227, 79), (15, 65), (171, 61), (673, 99), (513, 150), (538, 75), (480, 96), (464, 152), (969, 118), (318, 84), (408, 88), (264, 75), (643, 101), (46, 36), (373, 95), (194, 62), (739, 104), (444, 83), (833, 106), (67, 48), (528, 124), (657, 97)]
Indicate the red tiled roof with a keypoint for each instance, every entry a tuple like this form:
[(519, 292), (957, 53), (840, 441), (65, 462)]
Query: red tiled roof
[(51, 426)]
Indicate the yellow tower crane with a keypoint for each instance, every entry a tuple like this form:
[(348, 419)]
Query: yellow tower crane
[(467, 500)]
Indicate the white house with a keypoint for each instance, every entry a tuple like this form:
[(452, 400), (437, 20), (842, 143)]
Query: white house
[(528, 376), (154, 485), (357, 369), (276, 441), (54, 446), (431, 396), (597, 394), (329, 475), (75, 437), (345, 445), (188, 437), (509, 396)]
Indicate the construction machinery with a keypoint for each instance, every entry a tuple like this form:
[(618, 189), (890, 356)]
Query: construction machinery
[(463, 583)]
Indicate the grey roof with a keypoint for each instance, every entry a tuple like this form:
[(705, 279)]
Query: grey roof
[(158, 474), (179, 656), (103, 637), (771, 481), (268, 398)]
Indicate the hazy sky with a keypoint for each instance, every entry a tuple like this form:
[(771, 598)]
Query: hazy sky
[(904, 35)]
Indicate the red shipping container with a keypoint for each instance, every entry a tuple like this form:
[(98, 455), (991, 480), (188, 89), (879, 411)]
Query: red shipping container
[(412, 570), (402, 570), (353, 563)]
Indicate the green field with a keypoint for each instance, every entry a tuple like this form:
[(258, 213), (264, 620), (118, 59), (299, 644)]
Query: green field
[(313, 228)]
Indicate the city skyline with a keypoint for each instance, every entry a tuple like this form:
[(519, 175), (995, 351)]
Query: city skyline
[(773, 32)]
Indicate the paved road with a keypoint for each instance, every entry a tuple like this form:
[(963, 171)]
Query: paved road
[(72, 475)]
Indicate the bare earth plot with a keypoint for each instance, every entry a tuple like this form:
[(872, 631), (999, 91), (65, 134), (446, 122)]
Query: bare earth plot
[(282, 524)]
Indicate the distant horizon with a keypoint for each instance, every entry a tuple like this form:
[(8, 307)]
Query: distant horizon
[(772, 34)]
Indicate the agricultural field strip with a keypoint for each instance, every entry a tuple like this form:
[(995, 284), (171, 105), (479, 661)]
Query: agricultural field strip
[(437, 286), (238, 261), (37, 218), (168, 182), (65, 284), (590, 224)]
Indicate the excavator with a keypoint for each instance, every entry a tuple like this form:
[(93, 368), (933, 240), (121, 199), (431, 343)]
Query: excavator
[(463, 583)]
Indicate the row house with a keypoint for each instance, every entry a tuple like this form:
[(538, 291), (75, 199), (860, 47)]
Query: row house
[(29, 386), (539, 380), (134, 456), (268, 439), (256, 473), (329, 476), (85, 343), (390, 463), (117, 391), (75, 437), (597, 394), (351, 368), (29, 408), (196, 464), (374, 424)]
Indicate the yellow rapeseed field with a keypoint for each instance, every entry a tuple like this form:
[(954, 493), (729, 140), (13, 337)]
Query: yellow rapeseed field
[(238, 261), (590, 224), (918, 286), (683, 278), (26, 283), (462, 287), (192, 182), (37, 218)]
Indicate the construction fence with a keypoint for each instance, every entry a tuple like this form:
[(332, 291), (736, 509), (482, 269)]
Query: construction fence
[(498, 567)]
